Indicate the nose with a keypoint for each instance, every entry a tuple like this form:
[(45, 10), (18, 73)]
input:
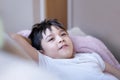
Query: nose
[(60, 39)]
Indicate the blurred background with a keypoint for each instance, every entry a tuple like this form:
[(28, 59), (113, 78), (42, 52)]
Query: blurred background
[(99, 18)]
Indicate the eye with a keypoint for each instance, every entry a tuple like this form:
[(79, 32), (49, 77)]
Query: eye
[(63, 34), (51, 39)]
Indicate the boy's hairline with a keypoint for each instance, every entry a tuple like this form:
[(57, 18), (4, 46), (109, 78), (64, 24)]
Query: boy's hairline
[(57, 27)]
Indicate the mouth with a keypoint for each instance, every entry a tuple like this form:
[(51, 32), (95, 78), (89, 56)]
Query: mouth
[(63, 46)]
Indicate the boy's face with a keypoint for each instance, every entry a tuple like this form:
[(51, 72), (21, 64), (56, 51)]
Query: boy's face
[(57, 44)]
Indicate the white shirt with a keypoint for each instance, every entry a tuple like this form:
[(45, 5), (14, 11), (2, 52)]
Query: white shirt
[(84, 66)]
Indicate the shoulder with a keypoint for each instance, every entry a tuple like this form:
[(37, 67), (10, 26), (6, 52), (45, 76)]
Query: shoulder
[(90, 56)]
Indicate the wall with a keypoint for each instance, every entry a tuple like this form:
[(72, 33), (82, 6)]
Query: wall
[(100, 18), (16, 14)]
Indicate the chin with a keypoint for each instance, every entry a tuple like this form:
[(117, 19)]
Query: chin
[(69, 56)]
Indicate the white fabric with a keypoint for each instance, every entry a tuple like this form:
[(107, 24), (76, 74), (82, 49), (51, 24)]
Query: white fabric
[(76, 31), (89, 66), (14, 68)]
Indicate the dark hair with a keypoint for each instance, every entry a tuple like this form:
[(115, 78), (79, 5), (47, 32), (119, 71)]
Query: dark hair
[(37, 30)]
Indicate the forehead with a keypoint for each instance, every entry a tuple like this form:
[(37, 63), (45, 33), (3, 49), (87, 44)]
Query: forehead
[(52, 29)]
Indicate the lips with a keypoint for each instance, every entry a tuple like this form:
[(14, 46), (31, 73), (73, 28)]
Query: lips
[(63, 46)]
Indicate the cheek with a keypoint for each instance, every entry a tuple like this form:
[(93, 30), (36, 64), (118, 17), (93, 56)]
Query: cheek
[(49, 47), (69, 40), (70, 43), (50, 50)]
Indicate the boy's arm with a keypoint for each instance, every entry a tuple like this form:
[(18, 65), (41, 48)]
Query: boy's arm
[(109, 68), (25, 43)]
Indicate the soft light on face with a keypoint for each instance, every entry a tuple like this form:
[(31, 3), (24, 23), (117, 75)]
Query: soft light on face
[(57, 44)]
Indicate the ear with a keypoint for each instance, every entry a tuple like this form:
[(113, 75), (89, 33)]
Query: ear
[(41, 51)]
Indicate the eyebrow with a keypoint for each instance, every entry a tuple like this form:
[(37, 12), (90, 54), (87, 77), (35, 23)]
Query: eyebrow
[(61, 30)]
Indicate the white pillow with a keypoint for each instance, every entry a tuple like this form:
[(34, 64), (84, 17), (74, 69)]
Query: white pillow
[(76, 31), (24, 33)]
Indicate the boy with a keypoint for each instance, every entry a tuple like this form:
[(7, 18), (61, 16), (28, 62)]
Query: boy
[(56, 54)]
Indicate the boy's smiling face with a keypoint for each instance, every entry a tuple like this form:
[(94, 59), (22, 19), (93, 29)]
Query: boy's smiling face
[(56, 43)]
